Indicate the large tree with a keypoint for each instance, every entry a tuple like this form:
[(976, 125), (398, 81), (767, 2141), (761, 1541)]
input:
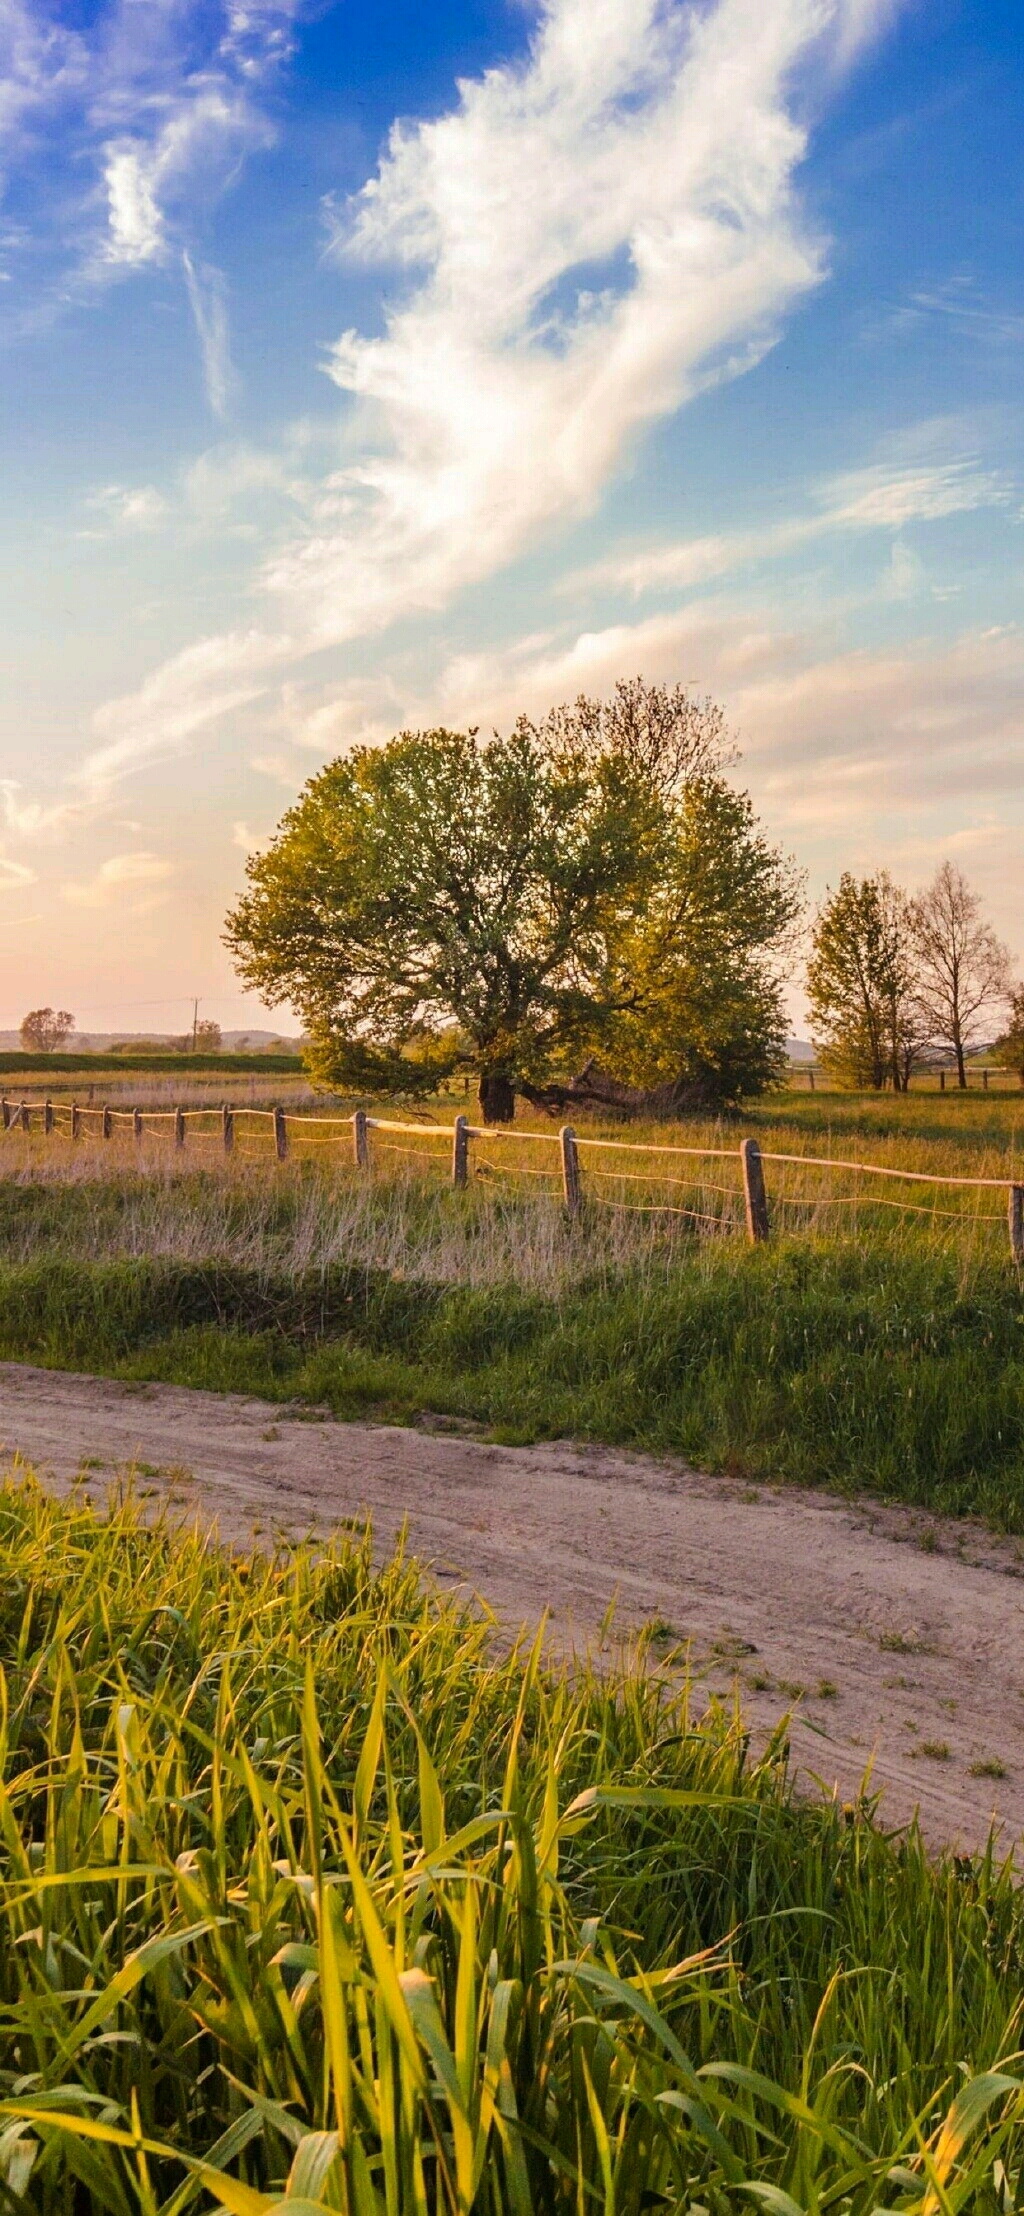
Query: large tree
[(963, 968), (517, 902)]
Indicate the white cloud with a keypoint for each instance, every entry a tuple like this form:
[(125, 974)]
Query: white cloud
[(587, 240), (207, 300), (124, 880), (129, 507), (249, 842), (882, 496), (135, 224), (14, 873), (42, 64), (176, 702), (150, 106), (839, 748), (584, 242), (886, 496)]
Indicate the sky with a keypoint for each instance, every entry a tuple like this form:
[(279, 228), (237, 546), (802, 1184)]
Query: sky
[(367, 368)]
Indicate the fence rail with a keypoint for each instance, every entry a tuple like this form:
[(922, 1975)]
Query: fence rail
[(72, 1119), (934, 1076)]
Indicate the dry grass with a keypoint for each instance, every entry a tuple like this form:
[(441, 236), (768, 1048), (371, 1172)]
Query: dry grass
[(643, 1207)]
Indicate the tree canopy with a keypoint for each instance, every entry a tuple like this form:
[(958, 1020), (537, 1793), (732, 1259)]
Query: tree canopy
[(1012, 1042), (587, 885), (43, 1030), (963, 969), (892, 978), (861, 983)]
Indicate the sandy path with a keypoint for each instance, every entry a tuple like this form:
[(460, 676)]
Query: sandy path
[(922, 1643)]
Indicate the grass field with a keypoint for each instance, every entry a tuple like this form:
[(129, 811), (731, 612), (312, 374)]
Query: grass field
[(860, 1349), (310, 1901)]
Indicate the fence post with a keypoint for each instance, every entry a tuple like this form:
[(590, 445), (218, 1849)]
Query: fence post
[(811, 1075), (137, 1123), (107, 1123), (76, 1119), (179, 1127), (25, 1123), (360, 1141), (942, 1081), (460, 1150), (280, 1134), (5, 1111), (47, 1116), (1016, 1217), (571, 1192), (984, 1079), (753, 1191), (228, 1121)]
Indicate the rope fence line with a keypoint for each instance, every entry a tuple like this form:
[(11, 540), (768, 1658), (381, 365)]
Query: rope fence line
[(459, 1137), (876, 1200), (875, 1169)]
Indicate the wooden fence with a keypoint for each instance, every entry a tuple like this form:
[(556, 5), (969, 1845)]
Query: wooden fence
[(927, 1077), (360, 1132)]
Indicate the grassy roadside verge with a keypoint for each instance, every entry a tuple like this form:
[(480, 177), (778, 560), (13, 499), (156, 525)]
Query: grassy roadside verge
[(306, 1894), (880, 1370)]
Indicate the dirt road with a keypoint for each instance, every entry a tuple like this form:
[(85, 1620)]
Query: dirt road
[(892, 1636)]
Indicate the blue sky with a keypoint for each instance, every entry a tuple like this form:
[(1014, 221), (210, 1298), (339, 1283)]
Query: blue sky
[(367, 367)]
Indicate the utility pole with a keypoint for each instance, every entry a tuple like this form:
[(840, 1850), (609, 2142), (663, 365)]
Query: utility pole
[(195, 1023)]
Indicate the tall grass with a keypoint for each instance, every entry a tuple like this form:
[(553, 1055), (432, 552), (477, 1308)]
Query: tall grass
[(863, 1348), (889, 1358), (309, 1901)]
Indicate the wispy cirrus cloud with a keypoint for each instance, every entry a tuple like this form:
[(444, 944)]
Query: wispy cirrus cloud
[(208, 302), (882, 496), (177, 702), (120, 133), (137, 882), (14, 874), (585, 242)]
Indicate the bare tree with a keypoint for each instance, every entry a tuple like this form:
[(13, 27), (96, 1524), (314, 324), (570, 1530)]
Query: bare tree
[(43, 1029), (668, 734), (962, 967)]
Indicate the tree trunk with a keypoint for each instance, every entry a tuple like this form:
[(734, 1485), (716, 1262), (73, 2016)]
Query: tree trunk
[(497, 1097), (961, 1073)]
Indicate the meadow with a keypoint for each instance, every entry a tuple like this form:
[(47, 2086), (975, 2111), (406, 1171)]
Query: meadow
[(866, 1346), (311, 1901)]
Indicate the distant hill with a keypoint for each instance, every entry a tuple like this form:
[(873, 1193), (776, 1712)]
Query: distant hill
[(101, 1042), (799, 1050)]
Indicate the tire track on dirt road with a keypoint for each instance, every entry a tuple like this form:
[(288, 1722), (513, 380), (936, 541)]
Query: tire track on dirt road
[(895, 1638)]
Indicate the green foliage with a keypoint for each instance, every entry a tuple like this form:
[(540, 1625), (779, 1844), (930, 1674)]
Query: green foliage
[(1012, 1042), (43, 1030), (887, 1369), (310, 1902), (861, 984), (159, 1060), (708, 1012), (518, 904), (437, 880)]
